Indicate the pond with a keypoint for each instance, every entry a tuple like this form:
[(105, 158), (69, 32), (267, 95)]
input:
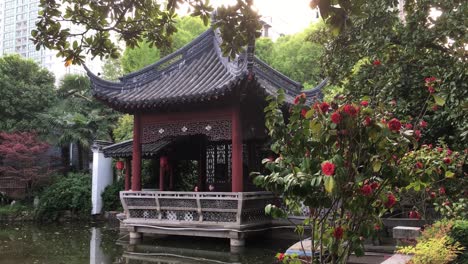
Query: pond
[(100, 244)]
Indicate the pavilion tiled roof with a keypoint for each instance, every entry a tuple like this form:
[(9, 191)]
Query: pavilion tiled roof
[(124, 149), (195, 73)]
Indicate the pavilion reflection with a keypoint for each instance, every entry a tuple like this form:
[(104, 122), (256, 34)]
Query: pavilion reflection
[(171, 252)]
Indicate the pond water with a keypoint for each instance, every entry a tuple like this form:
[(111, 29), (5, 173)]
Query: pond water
[(98, 244)]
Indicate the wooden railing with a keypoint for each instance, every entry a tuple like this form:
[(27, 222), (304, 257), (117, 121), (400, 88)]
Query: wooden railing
[(205, 208)]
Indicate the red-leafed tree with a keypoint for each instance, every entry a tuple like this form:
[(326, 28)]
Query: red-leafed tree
[(23, 159)]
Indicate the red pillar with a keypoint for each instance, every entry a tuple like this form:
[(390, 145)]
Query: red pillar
[(162, 171), (171, 177), (136, 166), (237, 173), (128, 167)]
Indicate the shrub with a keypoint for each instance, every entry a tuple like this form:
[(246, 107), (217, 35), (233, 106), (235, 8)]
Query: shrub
[(434, 246), (111, 197), (72, 193), (459, 233)]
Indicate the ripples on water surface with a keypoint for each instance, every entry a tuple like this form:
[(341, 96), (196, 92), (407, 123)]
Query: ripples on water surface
[(85, 243)]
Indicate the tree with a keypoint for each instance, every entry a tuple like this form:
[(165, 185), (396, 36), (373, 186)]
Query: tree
[(22, 159), (296, 56), (27, 90), (136, 58), (112, 69), (78, 118), (134, 21), (381, 50)]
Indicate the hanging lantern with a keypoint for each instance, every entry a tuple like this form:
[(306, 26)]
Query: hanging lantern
[(119, 165)]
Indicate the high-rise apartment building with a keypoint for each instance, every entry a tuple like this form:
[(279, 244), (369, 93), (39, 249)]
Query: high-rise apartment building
[(17, 19)]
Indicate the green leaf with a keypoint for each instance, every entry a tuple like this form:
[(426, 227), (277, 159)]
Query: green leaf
[(377, 165), (329, 184), (449, 174), (439, 100)]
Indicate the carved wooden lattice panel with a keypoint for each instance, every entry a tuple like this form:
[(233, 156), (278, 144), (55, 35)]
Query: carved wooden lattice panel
[(218, 163), (210, 164), (215, 130)]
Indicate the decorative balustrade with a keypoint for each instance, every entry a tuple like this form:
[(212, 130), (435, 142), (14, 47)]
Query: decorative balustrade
[(199, 208)]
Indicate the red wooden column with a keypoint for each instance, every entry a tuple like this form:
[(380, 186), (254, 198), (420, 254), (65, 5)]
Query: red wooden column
[(237, 173), (162, 171), (128, 167), (136, 166)]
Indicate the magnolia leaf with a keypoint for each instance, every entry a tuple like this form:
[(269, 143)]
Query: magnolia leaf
[(329, 184), (377, 165), (309, 113), (439, 100), (449, 174)]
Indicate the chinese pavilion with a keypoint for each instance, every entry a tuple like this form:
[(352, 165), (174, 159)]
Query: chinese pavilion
[(197, 105)]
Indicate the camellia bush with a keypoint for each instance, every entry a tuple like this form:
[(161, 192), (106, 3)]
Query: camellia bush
[(341, 159)]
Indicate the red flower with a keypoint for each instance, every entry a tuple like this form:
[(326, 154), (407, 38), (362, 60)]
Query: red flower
[(336, 117), (393, 102), (328, 168), (366, 190), (322, 107), (394, 125), (304, 112), (299, 97), (433, 195), (119, 165), (375, 185), (431, 89), (447, 160), (367, 121), (338, 232), (376, 63), (446, 203), (442, 190), (280, 256), (414, 215), (409, 126), (364, 103), (423, 124), (377, 227), (449, 152), (430, 79), (391, 201), (350, 110), (417, 134), (435, 108), (419, 165)]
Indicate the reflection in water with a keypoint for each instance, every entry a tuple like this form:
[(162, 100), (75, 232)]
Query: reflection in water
[(82, 244)]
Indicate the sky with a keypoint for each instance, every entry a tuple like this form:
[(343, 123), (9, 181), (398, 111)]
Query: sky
[(286, 16)]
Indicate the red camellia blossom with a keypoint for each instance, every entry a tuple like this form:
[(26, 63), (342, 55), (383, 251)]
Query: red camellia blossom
[(391, 200), (336, 117), (433, 195), (280, 256), (328, 168), (367, 121), (364, 103), (393, 102), (377, 227), (366, 190), (446, 203), (351, 110), (338, 233), (375, 185), (423, 124), (304, 112), (417, 134), (394, 125), (409, 126), (119, 165), (447, 160), (324, 107), (430, 89), (435, 108), (449, 152), (442, 190), (377, 62), (430, 79), (419, 165), (299, 97), (414, 215)]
